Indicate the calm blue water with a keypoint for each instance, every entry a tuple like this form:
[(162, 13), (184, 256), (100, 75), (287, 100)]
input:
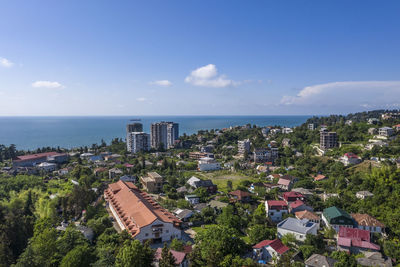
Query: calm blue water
[(68, 132)]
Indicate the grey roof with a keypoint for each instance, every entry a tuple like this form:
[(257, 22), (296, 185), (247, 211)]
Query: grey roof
[(296, 225), (193, 180), (183, 213), (200, 206), (374, 259), (317, 260), (217, 204), (182, 189)]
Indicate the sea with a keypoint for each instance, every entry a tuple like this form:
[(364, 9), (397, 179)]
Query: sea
[(29, 133)]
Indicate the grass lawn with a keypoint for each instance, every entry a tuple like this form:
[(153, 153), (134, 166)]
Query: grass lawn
[(221, 177), (199, 229)]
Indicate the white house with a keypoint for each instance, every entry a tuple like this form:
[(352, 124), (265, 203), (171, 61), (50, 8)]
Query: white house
[(192, 199), (48, 167), (208, 164), (275, 209), (193, 181), (269, 250), (364, 194), (299, 228), (350, 159)]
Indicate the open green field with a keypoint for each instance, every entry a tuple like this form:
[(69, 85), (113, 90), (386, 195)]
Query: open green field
[(221, 177)]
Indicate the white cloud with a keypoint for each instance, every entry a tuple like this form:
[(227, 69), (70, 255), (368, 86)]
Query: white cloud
[(165, 83), (141, 99), (5, 62), (47, 84), (208, 76), (366, 94)]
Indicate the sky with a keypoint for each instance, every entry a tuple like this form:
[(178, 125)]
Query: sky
[(192, 57)]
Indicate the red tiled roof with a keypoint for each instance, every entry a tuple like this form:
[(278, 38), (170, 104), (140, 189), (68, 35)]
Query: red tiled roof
[(135, 208), (276, 244), (351, 155), (178, 255), (319, 177), (37, 156), (274, 203), (296, 204), (354, 233), (127, 165)]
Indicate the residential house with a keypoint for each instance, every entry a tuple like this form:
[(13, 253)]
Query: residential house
[(114, 173), (298, 205), (374, 259), (136, 212), (355, 240), (193, 181), (128, 178), (273, 176), (306, 192), (269, 251), (183, 214), (241, 196), (199, 207), (292, 196), (318, 260), (64, 171), (367, 222), (197, 183), (326, 196), (286, 182), (373, 121), (396, 127), (364, 194), (217, 205), (199, 155), (192, 199), (180, 258), (319, 177), (275, 209), (386, 131), (47, 167), (335, 217), (265, 154), (208, 164), (350, 159), (299, 228), (152, 182), (308, 215)]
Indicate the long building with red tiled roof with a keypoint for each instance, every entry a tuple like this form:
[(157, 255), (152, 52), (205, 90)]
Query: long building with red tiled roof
[(35, 159), (136, 212)]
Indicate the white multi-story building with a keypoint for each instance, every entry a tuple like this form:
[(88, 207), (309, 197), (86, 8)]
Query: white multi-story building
[(138, 142), (208, 164), (386, 131), (164, 134)]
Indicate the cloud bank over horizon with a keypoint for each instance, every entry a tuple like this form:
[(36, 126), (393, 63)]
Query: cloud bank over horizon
[(347, 94)]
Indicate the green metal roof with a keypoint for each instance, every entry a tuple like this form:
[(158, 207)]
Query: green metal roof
[(334, 212)]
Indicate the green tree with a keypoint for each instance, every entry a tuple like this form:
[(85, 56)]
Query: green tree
[(259, 232), (79, 256), (134, 254), (167, 259), (177, 245)]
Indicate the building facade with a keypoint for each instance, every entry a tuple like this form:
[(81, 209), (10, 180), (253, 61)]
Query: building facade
[(243, 146), (153, 182), (328, 140), (164, 134), (137, 213), (137, 142)]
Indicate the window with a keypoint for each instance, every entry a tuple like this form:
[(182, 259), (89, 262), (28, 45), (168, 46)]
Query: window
[(272, 214), (146, 234), (167, 231)]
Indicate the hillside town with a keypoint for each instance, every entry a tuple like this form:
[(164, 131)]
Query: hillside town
[(324, 193)]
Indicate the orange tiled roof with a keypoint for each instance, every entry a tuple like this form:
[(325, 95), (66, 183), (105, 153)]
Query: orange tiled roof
[(366, 220), (135, 208)]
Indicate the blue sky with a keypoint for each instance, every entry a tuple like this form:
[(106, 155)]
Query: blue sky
[(187, 57)]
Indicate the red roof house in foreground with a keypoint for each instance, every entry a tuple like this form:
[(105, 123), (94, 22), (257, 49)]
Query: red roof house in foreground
[(180, 257), (355, 240), (266, 250)]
